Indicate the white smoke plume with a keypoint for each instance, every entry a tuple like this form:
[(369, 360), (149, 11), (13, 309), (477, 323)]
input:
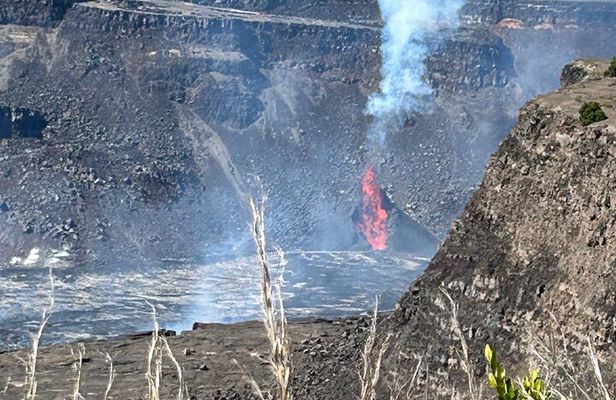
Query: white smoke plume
[(409, 25)]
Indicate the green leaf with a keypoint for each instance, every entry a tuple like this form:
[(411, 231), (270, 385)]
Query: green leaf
[(534, 374), (492, 381), (488, 353)]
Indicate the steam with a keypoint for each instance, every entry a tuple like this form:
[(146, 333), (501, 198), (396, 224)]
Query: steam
[(409, 24)]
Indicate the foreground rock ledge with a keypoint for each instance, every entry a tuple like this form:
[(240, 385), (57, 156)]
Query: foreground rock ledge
[(324, 352)]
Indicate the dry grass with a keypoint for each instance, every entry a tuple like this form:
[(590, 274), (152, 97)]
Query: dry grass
[(158, 347), (597, 370), (178, 368), (155, 356), (402, 387), (371, 358), (274, 319), (6, 387), (568, 374), (569, 377), (77, 364), (463, 354), (31, 363), (111, 376), (251, 380)]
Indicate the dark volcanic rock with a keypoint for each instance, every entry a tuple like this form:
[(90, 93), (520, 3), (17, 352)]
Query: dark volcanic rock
[(156, 117), (583, 70), (324, 352), (532, 252), (530, 260), (34, 12), (22, 123), (156, 114)]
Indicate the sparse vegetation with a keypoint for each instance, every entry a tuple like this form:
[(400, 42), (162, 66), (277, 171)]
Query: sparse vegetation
[(404, 383), (463, 354), (591, 112), (566, 372), (111, 376), (274, 320), (372, 357), (611, 71), (158, 347), (77, 365), (31, 383), (531, 387)]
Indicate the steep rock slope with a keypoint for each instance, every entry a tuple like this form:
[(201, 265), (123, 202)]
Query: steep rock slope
[(167, 110), (34, 12), (532, 256), (544, 35)]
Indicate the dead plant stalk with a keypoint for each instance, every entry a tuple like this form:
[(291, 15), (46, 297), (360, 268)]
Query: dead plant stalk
[(31, 364), (77, 364), (274, 318), (467, 365), (158, 346), (111, 376), (371, 362)]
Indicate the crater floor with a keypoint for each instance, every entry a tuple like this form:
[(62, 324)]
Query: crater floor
[(106, 302)]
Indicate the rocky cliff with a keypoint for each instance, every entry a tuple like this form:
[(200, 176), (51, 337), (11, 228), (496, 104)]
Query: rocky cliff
[(35, 12), (541, 14), (166, 110), (530, 259)]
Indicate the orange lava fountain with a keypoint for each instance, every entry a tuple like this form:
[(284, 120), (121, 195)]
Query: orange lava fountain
[(373, 223)]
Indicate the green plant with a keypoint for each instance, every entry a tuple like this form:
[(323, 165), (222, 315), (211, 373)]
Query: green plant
[(531, 387), (611, 71), (534, 387), (591, 112), (497, 378)]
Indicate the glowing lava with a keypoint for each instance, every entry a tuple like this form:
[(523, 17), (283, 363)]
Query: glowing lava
[(373, 222)]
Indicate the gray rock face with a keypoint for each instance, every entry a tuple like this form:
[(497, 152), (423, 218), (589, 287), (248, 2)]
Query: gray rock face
[(583, 70), (158, 118), (532, 253), (35, 12), (160, 114), (529, 262), (542, 14)]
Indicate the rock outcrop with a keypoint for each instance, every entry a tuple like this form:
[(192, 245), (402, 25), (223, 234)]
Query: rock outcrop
[(37, 13), (164, 110), (583, 70), (541, 14), (532, 256)]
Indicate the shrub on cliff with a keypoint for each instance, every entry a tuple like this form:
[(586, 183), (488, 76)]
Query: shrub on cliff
[(531, 387), (611, 71), (591, 112)]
